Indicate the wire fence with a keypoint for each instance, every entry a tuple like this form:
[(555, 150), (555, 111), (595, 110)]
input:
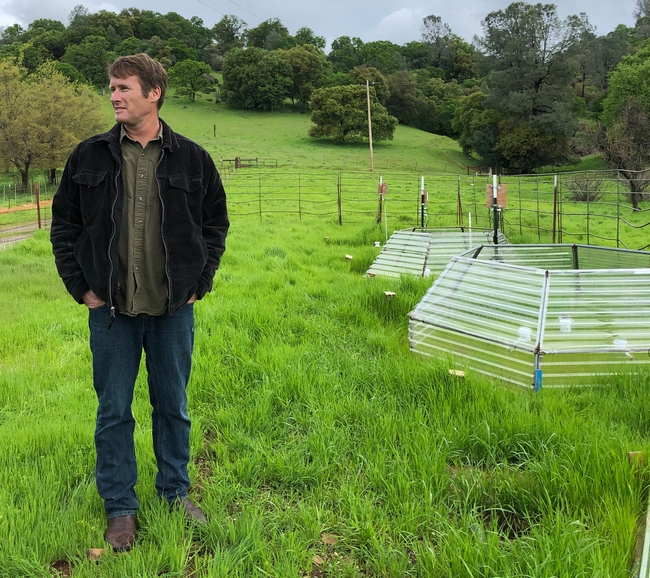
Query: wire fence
[(587, 207), (24, 209)]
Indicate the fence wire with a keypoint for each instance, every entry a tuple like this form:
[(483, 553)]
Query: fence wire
[(588, 207)]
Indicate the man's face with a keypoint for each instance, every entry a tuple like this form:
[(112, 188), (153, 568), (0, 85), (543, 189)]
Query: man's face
[(131, 107)]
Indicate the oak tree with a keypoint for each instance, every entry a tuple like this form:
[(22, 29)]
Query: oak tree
[(309, 70), (256, 78), (43, 117), (341, 113), (190, 77)]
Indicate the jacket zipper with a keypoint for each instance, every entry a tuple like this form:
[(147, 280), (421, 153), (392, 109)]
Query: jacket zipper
[(110, 259), (162, 236)]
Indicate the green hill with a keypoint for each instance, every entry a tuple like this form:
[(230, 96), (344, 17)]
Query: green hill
[(282, 136)]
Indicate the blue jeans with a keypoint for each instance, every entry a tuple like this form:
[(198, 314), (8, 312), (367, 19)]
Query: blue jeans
[(167, 342)]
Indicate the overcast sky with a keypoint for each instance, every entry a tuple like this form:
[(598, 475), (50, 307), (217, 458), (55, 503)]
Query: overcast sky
[(395, 20)]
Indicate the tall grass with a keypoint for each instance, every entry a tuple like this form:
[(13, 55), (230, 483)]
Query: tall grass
[(320, 445), (282, 135)]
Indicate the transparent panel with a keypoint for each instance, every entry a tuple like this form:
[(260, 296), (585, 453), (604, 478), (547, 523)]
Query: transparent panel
[(404, 252), (539, 256), (607, 258), (425, 252), (598, 311), (468, 352), (582, 369), (486, 300), (582, 322), (445, 246)]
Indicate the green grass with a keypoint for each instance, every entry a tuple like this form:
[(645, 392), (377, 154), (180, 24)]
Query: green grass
[(320, 446), (588, 163), (282, 135)]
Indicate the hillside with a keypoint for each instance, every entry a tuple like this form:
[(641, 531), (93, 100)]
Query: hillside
[(282, 136)]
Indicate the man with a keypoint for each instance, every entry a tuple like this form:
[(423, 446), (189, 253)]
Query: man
[(139, 224)]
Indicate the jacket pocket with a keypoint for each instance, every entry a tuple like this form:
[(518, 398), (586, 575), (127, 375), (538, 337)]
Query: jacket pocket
[(187, 196), (92, 192)]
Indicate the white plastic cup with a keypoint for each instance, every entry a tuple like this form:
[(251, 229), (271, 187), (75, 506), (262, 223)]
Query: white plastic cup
[(524, 333), (565, 324), (377, 244)]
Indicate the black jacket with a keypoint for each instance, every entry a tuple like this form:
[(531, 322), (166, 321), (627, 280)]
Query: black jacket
[(87, 213)]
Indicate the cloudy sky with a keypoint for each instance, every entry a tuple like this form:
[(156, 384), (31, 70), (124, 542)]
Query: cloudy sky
[(395, 20)]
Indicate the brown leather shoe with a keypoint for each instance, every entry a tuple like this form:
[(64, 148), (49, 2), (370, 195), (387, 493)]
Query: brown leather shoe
[(190, 510), (121, 533)]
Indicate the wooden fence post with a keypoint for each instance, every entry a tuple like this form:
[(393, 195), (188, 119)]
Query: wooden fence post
[(618, 209), (538, 223), (38, 204), (339, 200), (555, 208), (459, 216), (259, 193), (588, 212), (519, 189), (299, 204)]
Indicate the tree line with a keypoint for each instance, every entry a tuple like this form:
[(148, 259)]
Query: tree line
[(531, 90)]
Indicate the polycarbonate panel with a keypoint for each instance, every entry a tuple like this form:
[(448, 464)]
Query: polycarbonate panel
[(583, 323), (425, 252), (563, 370), (485, 300), (467, 352), (607, 258), (444, 246), (404, 253), (597, 311), (538, 256)]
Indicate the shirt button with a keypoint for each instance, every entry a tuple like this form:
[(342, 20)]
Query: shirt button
[(139, 198), (137, 268), (139, 221)]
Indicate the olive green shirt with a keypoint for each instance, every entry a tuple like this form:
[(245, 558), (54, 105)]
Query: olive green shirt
[(142, 282)]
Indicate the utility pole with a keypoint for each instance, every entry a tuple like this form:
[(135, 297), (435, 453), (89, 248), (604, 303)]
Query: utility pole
[(372, 162)]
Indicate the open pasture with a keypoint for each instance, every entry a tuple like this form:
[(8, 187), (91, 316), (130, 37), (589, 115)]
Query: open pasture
[(282, 136), (318, 178), (537, 209), (321, 446)]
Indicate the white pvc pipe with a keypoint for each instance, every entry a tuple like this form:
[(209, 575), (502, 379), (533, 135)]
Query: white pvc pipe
[(643, 572)]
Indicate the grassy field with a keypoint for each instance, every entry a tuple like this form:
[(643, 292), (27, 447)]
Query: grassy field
[(282, 135), (306, 179), (321, 446)]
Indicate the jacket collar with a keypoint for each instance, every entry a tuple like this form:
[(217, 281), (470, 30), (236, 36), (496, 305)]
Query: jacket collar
[(112, 137)]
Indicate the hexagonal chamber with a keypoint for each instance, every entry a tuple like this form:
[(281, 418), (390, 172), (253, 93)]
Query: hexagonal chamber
[(556, 315), (424, 252)]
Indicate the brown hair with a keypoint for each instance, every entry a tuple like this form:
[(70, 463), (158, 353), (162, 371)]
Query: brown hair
[(150, 72)]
